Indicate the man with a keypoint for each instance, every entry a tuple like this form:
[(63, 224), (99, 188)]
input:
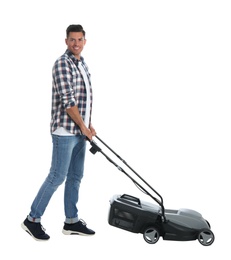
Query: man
[(70, 127)]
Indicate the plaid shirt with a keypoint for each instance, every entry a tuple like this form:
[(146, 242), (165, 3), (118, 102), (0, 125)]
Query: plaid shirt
[(68, 90)]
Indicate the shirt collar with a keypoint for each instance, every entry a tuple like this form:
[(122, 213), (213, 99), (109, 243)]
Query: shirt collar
[(72, 56)]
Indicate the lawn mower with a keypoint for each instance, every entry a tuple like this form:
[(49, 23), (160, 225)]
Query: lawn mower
[(132, 214)]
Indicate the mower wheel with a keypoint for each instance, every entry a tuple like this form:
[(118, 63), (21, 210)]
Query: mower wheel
[(151, 235)]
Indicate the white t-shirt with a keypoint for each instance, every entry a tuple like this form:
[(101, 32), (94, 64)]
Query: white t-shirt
[(87, 85)]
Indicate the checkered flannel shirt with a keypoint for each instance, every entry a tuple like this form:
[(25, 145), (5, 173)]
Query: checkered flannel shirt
[(68, 90)]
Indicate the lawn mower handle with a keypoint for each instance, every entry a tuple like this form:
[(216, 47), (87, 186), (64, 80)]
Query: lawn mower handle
[(95, 148)]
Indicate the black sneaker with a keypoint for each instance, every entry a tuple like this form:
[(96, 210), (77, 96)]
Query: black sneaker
[(78, 228), (36, 230)]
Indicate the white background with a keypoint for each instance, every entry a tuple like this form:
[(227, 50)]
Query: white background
[(161, 78)]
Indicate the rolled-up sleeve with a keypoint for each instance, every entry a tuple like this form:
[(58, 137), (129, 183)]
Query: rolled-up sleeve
[(63, 79)]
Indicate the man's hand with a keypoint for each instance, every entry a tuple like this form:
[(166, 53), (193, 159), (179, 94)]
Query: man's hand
[(92, 129)]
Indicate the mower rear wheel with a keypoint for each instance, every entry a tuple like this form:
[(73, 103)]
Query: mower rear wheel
[(151, 235)]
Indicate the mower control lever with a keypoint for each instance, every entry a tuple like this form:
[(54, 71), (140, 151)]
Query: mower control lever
[(94, 147)]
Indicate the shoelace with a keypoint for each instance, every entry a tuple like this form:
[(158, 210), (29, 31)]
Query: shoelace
[(43, 229), (83, 222)]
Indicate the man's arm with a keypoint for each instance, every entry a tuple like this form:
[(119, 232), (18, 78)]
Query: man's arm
[(73, 112)]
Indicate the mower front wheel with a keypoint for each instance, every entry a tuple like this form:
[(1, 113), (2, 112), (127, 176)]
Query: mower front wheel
[(206, 237)]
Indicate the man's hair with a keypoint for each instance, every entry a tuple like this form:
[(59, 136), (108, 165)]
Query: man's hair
[(75, 28)]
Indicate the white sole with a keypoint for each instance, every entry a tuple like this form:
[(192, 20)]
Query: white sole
[(28, 231), (70, 232)]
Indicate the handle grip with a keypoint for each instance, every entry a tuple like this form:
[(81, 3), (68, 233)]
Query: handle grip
[(131, 198)]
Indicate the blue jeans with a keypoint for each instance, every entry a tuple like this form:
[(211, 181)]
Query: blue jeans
[(68, 158)]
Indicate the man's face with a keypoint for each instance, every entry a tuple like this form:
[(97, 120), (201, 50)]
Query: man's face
[(75, 43)]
